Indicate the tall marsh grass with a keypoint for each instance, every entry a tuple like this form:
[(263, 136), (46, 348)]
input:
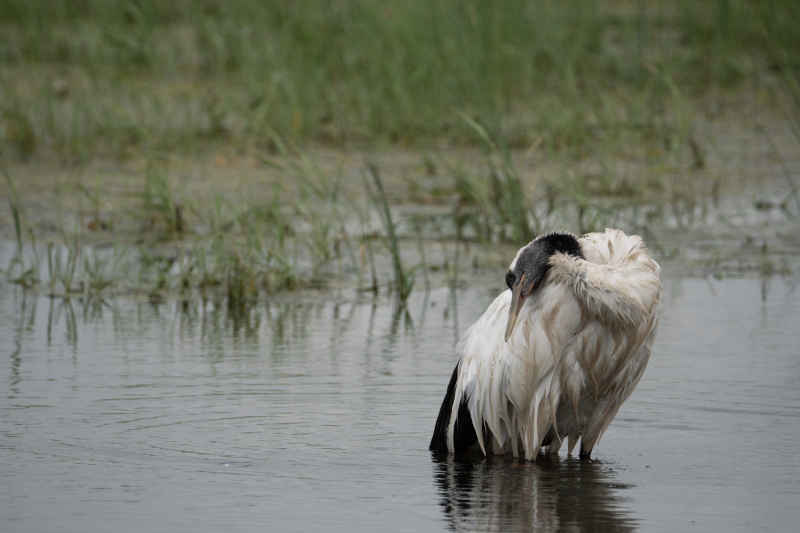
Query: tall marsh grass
[(95, 76)]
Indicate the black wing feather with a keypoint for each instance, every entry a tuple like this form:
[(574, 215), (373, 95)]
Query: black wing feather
[(464, 435)]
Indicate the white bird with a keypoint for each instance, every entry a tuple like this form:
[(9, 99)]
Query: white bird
[(555, 355)]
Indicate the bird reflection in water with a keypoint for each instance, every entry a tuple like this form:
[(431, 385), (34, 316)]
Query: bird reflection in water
[(503, 494)]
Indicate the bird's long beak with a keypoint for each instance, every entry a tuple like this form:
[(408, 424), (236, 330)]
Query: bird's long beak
[(516, 304)]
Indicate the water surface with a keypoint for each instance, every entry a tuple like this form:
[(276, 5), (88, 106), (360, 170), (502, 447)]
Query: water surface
[(313, 412)]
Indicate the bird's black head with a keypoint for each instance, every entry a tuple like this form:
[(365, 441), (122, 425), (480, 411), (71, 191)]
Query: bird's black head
[(533, 258), (529, 268)]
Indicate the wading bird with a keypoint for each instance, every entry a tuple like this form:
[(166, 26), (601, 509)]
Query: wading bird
[(555, 355)]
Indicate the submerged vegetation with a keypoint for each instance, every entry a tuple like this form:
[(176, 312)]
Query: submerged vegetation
[(519, 116)]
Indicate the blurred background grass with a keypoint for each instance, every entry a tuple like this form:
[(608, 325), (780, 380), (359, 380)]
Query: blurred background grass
[(85, 78), (171, 146)]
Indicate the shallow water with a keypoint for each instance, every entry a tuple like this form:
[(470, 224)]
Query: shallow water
[(313, 412)]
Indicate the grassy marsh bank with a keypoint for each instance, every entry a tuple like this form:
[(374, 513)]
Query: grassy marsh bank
[(82, 79), (226, 148)]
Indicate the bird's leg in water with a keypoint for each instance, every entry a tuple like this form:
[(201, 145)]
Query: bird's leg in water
[(554, 446)]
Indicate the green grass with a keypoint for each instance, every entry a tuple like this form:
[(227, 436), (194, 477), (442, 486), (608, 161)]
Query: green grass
[(403, 279), (163, 242), (592, 89), (94, 77)]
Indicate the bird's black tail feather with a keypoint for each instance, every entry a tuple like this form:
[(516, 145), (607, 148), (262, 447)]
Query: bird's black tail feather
[(465, 435)]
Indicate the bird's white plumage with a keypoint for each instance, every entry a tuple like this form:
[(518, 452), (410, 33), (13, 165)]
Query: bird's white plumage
[(579, 348)]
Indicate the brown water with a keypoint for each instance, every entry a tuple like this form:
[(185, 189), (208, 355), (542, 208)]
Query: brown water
[(313, 412)]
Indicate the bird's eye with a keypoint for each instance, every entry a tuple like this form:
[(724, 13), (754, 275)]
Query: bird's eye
[(510, 279)]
